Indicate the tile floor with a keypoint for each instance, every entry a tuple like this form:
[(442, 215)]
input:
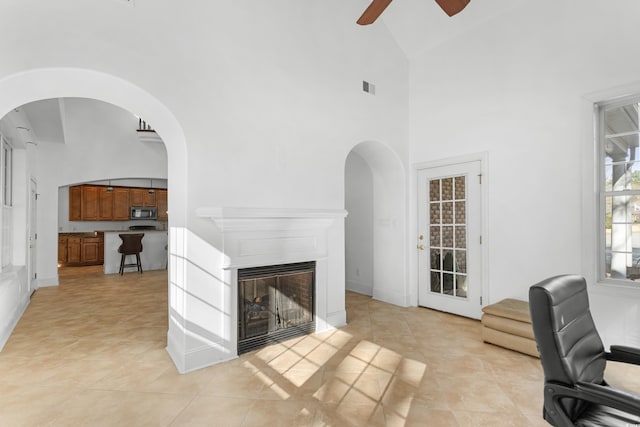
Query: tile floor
[(91, 352)]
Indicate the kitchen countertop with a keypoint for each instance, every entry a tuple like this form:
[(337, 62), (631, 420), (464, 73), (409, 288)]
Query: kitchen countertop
[(79, 233), (130, 231)]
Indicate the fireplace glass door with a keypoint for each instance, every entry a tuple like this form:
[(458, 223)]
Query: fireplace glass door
[(274, 303)]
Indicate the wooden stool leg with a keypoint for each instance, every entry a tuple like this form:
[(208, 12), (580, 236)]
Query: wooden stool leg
[(139, 263), (122, 264)]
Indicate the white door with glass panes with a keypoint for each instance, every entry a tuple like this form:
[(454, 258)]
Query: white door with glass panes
[(449, 228)]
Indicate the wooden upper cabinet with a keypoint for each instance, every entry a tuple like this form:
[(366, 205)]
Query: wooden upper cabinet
[(142, 197), (121, 204), (136, 196), (75, 203), (90, 206), (105, 205), (95, 203), (150, 199), (163, 205)]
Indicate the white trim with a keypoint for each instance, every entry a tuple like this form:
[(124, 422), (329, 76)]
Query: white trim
[(593, 251)]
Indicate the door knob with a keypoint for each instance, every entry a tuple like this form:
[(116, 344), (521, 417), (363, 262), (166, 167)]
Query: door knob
[(421, 247)]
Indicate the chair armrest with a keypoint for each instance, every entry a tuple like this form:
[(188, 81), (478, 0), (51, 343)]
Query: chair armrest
[(593, 393), (620, 353), (611, 397)]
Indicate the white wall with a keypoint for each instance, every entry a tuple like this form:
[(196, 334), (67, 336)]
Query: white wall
[(358, 202), (519, 88)]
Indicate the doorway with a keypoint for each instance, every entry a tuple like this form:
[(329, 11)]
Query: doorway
[(449, 240), (375, 228), (53, 83)]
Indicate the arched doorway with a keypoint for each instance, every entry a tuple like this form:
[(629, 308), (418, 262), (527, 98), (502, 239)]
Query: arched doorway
[(375, 230), (39, 84)]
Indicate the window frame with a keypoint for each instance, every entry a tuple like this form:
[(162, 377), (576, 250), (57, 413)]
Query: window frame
[(7, 172), (600, 108)]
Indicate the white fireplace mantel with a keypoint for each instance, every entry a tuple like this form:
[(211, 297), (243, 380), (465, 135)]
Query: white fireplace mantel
[(267, 236)]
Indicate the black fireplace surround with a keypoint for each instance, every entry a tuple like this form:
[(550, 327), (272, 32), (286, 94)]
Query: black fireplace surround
[(275, 303)]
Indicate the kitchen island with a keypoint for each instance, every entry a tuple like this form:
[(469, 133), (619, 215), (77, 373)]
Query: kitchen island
[(153, 255)]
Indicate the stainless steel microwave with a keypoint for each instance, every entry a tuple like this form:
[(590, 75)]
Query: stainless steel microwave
[(144, 212)]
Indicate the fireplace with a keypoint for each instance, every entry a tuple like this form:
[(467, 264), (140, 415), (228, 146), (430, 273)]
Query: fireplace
[(243, 240), (275, 303)]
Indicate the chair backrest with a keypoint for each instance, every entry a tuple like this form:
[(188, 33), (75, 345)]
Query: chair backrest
[(131, 243), (570, 348)]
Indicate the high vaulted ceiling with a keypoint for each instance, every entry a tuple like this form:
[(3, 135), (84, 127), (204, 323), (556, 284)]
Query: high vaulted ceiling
[(416, 25), (419, 25)]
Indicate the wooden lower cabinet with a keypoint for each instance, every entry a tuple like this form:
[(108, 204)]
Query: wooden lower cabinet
[(90, 250), (74, 250), (80, 250), (62, 249)]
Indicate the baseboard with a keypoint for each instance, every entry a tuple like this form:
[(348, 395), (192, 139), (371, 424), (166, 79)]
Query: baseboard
[(47, 282), (395, 298), (358, 287), (5, 333), (194, 359)]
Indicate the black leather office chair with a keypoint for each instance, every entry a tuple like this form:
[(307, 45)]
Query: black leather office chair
[(573, 358), (131, 245)]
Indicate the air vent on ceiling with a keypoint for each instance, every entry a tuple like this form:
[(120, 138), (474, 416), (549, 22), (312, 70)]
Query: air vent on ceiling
[(368, 87)]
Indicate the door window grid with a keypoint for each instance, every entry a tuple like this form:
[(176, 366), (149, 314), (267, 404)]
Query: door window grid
[(448, 236)]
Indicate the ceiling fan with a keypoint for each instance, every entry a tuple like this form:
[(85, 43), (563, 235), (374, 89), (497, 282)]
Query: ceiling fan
[(375, 9)]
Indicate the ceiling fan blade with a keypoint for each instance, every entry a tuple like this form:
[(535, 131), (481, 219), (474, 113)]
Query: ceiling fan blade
[(451, 7), (373, 11)]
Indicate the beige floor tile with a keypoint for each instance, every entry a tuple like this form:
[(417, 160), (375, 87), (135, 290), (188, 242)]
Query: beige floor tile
[(334, 414), (120, 408), (206, 411), (283, 413), (92, 352)]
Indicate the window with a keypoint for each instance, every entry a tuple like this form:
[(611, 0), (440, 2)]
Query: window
[(6, 178), (619, 190), (7, 174)]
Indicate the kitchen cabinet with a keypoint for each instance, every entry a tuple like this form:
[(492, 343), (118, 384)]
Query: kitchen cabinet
[(95, 203), (142, 197), (62, 249), (163, 206), (113, 205), (105, 205), (81, 249), (74, 250), (121, 204), (90, 202), (75, 203), (90, 250)]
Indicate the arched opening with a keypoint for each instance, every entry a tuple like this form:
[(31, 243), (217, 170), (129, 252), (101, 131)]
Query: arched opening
[(54, 83), (375, 229)]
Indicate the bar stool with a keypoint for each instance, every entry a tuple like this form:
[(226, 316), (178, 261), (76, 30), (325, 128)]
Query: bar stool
[(131, 245)]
